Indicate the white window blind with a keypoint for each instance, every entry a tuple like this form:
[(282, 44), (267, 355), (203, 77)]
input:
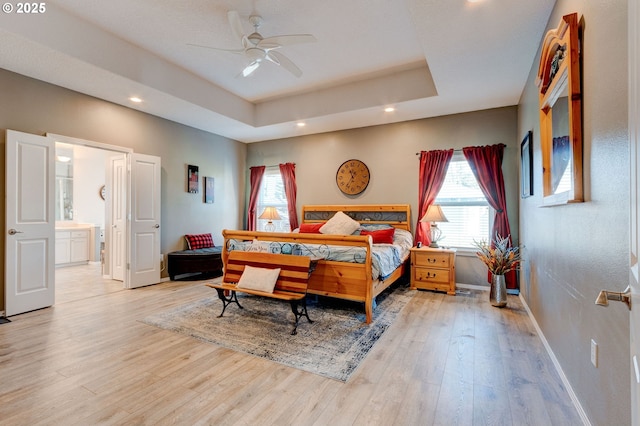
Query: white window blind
[(468, 213), (272, 195)]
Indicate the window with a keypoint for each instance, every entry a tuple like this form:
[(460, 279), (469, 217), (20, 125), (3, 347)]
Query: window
[(464, 205), (272, 195)]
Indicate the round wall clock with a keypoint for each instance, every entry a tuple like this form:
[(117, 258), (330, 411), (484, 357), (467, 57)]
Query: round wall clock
[(103, 192), (352, 177)]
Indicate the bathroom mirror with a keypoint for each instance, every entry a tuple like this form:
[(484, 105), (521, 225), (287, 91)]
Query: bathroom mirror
[(64, 183), (561, 114)]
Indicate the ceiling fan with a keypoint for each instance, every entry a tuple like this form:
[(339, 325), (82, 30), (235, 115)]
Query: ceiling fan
[(259, 49)]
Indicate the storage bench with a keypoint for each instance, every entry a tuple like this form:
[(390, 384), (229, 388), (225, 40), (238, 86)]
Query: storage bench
[(204, 261)]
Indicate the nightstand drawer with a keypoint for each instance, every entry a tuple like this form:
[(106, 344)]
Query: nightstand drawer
[(431, 274), (431, 259)]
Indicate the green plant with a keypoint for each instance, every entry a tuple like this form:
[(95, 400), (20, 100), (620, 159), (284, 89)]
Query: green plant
[(500, 259)]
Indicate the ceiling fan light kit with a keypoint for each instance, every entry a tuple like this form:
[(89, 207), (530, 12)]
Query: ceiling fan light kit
[(257, 49)]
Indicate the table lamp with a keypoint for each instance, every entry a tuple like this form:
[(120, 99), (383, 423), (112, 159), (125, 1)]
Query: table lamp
[(434, 214), (270, 214)]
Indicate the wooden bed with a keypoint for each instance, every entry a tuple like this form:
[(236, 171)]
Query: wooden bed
[(343, 280)]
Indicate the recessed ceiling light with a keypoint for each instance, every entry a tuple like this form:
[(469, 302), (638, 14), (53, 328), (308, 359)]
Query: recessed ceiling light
[(474, 1), (63, 158), (301, 124), (135, 99), (389, 109)]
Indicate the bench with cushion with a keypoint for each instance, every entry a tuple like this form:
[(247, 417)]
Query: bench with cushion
[(278, 276), (205, 261), (201, 257)]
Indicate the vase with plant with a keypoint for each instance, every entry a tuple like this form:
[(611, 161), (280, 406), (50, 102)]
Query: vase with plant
[(500, 257)]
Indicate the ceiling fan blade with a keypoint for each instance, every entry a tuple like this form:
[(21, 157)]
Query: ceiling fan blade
[(236, 25), (286, 40), (249, 69), (284, 62), (240, 51)]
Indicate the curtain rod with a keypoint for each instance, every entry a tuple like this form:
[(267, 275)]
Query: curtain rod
[(275, 165), (455, 150)]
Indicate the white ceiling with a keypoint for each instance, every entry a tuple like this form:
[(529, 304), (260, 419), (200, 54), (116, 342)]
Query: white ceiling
[(424, 57)]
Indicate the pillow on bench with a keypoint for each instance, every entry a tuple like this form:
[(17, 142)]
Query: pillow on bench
[(198, 241), (261, 279)]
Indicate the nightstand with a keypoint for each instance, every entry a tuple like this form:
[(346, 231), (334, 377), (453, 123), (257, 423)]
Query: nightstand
[(433, 269)]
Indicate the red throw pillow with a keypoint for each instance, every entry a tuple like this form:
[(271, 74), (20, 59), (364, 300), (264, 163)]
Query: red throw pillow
[(311, 228), (380, 236), (198, 241)]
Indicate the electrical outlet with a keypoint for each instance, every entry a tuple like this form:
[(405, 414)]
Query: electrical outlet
[(594, 353)]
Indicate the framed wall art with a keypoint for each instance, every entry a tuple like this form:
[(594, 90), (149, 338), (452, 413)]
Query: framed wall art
[(208, 190), (526, 166), (192, 179)]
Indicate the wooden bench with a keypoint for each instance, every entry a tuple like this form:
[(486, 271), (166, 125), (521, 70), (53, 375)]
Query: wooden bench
[(291, 285)]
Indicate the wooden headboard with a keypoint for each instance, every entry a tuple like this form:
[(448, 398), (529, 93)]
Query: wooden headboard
[(397, 215)]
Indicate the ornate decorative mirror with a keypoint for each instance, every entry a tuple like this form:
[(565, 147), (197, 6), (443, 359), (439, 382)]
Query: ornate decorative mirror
[(561, 114)]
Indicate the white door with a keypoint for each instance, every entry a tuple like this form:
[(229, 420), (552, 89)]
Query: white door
[(634, 141), (117, 201), (30, 223), (144, 222)]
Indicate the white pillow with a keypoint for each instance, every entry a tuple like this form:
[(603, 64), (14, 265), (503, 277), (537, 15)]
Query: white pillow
[(340, 224), (261, 279)]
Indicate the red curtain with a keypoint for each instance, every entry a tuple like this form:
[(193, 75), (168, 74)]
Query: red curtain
[(486, 165), (433, 169), (288, 172), (255, 179)]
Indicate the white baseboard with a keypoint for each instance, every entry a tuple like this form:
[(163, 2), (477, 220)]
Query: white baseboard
[(556, 363), (473, 287)]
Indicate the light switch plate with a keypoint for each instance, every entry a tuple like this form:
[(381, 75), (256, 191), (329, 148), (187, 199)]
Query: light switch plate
[(594, 353)]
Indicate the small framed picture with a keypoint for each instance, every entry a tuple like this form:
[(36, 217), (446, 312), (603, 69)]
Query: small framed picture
[(526, 165), (208, 190), (192, 179)]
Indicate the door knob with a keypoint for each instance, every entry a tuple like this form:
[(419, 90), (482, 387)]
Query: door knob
[(157, 226), (14, 232), (605, 295)]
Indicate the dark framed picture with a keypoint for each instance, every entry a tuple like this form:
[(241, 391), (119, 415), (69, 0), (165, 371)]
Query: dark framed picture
[(208, 190), (526, 165), (192, 179)]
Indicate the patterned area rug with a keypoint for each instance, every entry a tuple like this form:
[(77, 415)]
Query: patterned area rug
[(332, 346)]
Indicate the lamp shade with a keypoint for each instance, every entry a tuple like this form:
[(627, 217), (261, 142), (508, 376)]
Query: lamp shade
[(270, 213), (434, 214)]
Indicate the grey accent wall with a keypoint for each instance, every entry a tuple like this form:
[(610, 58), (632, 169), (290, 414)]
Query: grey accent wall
[(389, 151), (575, 250), (31, 106)]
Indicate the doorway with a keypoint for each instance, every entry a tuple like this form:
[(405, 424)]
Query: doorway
[(30, 219), (83, 217)]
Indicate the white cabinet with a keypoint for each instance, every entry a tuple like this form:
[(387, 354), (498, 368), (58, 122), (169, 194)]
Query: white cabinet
[(63, 247), (72, 247)]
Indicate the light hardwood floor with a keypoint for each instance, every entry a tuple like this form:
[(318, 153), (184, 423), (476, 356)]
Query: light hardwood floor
[(446, 360)]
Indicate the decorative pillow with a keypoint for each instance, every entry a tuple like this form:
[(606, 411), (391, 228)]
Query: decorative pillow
[(311, 228), (261, 279), (340, 224), (198, 241), (381, 236)]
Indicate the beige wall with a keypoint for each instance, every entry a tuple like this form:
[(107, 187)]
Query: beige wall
[(573, 251), (32, 106), (390, 153)]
